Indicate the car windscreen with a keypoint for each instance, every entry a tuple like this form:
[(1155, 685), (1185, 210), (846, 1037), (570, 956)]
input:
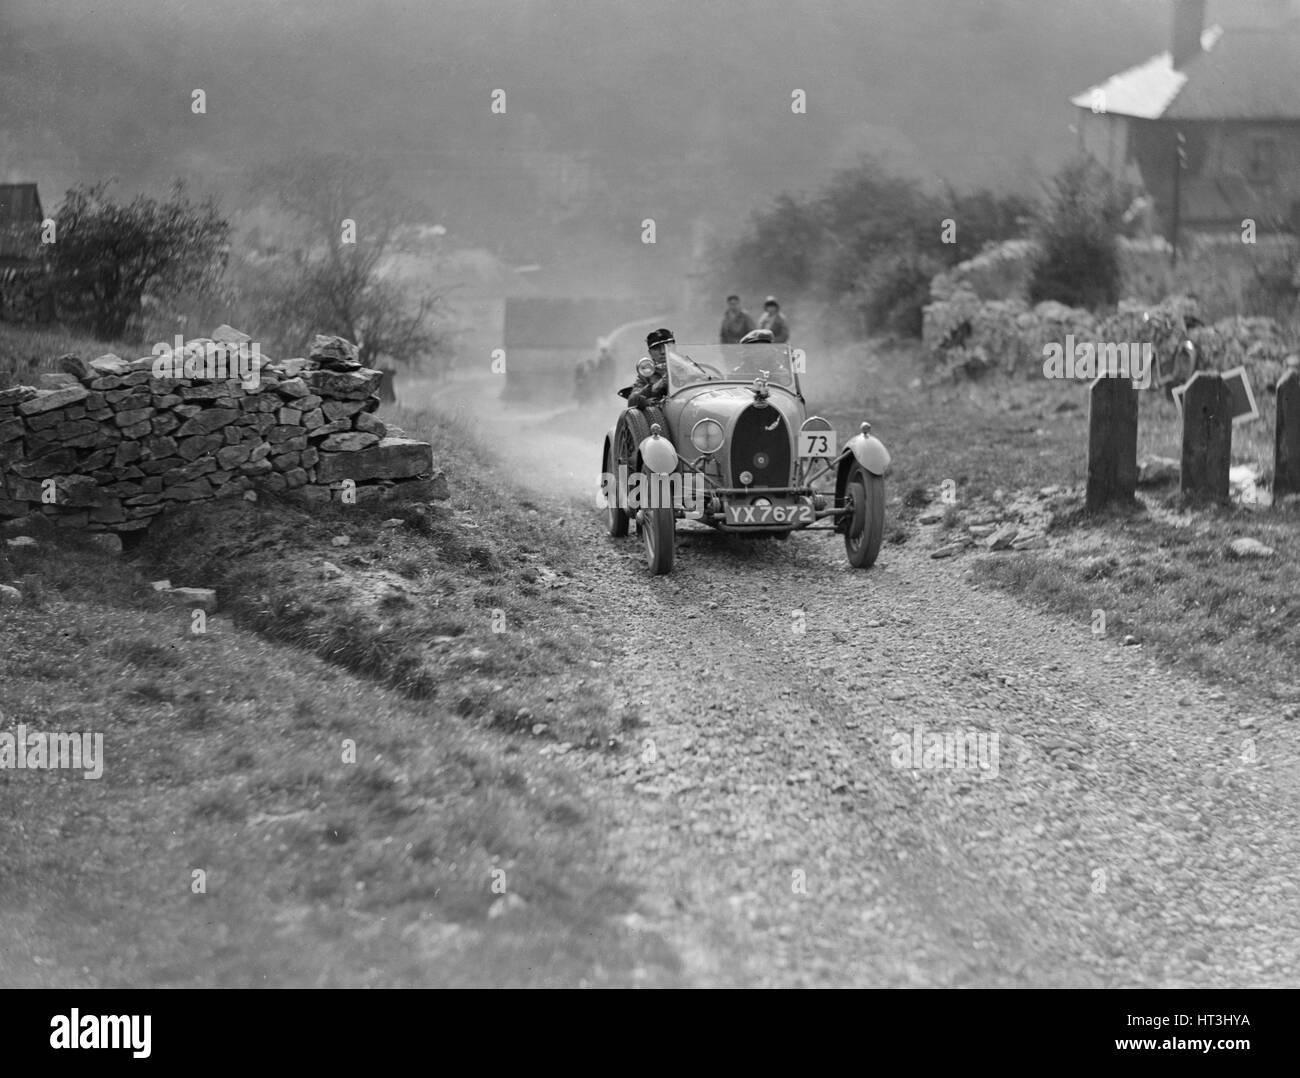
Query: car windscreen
[(691, 364)]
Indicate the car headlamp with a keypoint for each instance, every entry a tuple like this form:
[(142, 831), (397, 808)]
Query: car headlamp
[(707, 436), (645, 366), (657, 452)]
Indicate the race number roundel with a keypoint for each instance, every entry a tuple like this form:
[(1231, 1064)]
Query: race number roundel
[(817, 439)]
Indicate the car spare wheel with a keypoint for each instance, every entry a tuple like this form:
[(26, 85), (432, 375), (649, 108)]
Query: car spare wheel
[(630, 431), (617, 518), (864, 497)]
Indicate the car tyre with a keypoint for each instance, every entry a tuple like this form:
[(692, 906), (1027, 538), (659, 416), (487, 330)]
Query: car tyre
[(865, 496), (658, 529)]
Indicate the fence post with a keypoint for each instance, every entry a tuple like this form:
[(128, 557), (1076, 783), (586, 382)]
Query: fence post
[(1112, 442), (1286, 447), (1207, 438)]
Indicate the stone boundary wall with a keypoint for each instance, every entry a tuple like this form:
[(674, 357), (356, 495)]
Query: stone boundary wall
[(108, 445)]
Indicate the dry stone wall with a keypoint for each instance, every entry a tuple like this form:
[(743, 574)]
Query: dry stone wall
[(108, 445), (980, 319)]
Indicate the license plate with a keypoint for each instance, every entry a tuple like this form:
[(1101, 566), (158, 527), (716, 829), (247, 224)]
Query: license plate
[(767, 515)]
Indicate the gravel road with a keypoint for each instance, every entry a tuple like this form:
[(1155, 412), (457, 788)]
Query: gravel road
[(1139, 827)]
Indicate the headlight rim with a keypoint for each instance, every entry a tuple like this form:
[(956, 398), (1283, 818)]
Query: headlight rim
[(708, 422)]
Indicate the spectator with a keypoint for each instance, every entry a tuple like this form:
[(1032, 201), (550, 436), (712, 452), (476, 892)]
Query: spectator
[(774, 320), (735, 322)]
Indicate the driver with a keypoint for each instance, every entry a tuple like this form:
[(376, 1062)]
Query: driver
[(650, 388)]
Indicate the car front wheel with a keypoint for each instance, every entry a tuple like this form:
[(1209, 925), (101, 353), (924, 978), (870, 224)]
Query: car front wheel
[(658, 529), (864, 497)]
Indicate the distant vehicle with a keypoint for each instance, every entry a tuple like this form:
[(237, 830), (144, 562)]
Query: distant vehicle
[(731, 445), (545, 338)]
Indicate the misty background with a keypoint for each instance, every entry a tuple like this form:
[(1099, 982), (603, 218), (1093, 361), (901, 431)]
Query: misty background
[(617, 111)]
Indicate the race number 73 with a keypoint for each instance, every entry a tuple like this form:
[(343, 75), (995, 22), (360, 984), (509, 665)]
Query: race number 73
[(817, 443)]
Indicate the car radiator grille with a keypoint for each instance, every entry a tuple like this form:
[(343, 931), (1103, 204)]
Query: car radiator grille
[(763, 452)]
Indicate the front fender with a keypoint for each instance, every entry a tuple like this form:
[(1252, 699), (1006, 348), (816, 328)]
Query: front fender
[(865, 450), (870, 452)]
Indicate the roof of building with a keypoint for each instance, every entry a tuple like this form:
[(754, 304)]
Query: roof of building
[(1241, 74), (19, 203)]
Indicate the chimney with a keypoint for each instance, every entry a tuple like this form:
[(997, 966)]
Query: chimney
[(1189, 21)]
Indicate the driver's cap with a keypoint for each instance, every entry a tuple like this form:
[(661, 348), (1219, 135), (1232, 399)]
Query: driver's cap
[(660, 336)]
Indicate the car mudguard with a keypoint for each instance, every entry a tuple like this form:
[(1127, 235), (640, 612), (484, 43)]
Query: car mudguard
[(862, 449), (870, 452)]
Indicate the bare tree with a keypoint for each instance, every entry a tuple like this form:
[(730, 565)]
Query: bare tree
[(348, 218)]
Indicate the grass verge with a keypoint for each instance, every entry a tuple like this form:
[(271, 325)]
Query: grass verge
[(1162, 574)]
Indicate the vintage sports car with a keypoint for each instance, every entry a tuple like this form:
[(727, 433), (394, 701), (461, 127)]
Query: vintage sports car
[(731, 445)]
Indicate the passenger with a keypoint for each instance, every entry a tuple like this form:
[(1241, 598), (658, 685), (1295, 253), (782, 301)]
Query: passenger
[(752, 358)]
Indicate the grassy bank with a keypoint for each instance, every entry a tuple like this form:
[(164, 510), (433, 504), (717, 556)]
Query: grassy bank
[(347, 752)]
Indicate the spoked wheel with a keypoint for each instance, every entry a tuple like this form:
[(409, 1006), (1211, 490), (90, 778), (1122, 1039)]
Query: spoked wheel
[(864, 497), (616, 518), (658, 529)]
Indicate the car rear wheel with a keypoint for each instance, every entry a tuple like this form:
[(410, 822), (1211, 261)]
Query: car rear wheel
[(658, 529), (616, 518), (864, 496)]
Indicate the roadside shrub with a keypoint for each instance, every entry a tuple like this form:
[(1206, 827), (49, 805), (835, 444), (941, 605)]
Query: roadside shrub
[(110, 256), (895, 290), (1077, 232)]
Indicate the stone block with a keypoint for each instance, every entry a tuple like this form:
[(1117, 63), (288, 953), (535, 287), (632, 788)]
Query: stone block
[(392, 458), (344, 385), (208, 420), (348, 442)]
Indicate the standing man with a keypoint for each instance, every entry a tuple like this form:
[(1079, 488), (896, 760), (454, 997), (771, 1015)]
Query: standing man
[(582, 382), (735, 322), (605, 369), (774, 320)]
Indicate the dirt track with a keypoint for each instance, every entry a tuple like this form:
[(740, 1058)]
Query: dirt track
[(1125, 838)]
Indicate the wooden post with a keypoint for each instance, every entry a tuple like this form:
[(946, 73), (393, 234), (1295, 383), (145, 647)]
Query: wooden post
[(1112, 442), (1207, 438), (1286, 448)]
